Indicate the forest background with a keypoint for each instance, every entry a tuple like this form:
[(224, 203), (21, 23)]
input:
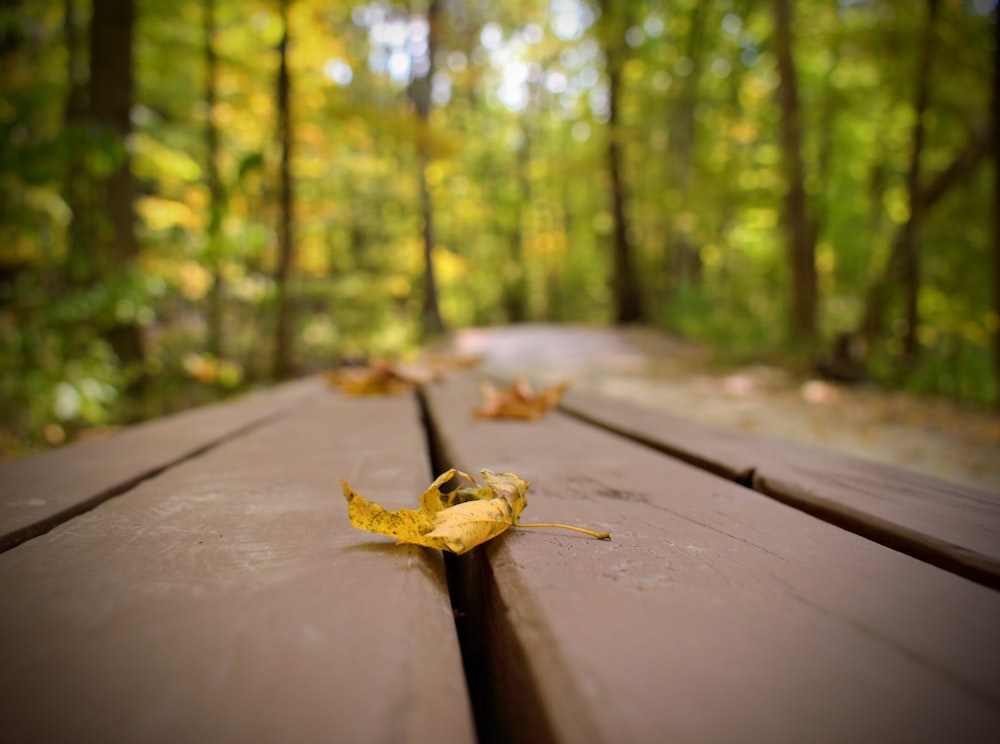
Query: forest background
[(197, 196)]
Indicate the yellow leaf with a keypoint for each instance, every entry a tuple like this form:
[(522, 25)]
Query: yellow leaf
[(457, 521)]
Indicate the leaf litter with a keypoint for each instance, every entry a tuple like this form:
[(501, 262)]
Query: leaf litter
[(519, 401), (378, 377)]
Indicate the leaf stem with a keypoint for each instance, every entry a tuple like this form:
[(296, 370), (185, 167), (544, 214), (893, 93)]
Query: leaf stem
[(598, 535)]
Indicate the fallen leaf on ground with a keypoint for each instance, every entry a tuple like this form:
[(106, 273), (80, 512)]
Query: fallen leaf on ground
[(517, 402), (457, 521), (378, 377)]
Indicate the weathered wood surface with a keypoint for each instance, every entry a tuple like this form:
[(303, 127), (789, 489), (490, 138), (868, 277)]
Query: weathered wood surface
[(40, 492), (228, 599), (714, 613), (952, 526)]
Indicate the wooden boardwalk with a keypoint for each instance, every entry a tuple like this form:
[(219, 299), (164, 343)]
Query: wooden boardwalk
[(196, 579)]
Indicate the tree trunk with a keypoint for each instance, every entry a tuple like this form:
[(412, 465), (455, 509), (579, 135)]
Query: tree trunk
[(995, 125), (908, 240), (79, 265), (420, 94), (111, 61), (430, 312), (515, 298), (686, 257), (825, 148), (801, 246), (873, 316), (215, 205), (903, 259), (628, 307), (282, 362)]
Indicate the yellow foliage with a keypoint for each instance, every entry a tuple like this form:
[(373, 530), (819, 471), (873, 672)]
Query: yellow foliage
[(312, 258), (634, 69), (203, 367), (450, 267), (166, 162), (826, 258), (743, 132), (195, 280), (261, 105), (992, 322), (762, 218), (436, 173), (196, 197), (398, 285), (546, 243), (309, 133), (222, 114), (896, 206), (711, 254), (161, 214)]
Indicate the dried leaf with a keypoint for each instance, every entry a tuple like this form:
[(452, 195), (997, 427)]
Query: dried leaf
[(517, 402), (382, 377), (457, 521), (379, 377)]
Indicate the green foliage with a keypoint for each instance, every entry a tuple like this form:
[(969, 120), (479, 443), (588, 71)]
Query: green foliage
[(517, 139)]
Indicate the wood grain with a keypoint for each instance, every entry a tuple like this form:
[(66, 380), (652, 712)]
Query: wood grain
[(714, 613), (228, 599), (39, 492), (951, 526)]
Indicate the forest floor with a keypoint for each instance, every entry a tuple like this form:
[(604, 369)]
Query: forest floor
[(657, 370)]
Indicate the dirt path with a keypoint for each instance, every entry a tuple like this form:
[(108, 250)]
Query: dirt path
[(659, 371)]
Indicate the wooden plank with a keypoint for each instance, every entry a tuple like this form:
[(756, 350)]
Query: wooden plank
[(951, 526), (713, 614), (229, 600), (39, 492), (725, 452)]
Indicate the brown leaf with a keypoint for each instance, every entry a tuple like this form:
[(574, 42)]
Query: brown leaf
[(517, 402), (378, 377)]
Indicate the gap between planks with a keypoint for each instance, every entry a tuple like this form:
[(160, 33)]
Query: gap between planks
[(506, 704), (919, 545)]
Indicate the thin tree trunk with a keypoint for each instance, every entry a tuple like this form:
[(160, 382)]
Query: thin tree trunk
[(965, 162), (801, 247), (628, 306), (903, 259), (996, 196), (686, 263), (79, 266), (908, 240), (515, 279), (215, 205), (282, 362), (825, 149), (430, 312), (111, 62), (420, 93), (873, 317)]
